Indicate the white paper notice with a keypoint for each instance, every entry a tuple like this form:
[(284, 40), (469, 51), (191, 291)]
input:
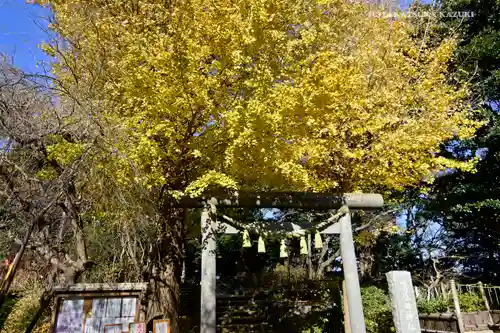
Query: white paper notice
[(93, 325), (128, 307), (70, 318), (113, 307), (110, 321), (99, 307)]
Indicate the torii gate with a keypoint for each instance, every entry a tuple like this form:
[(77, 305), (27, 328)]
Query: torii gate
[(209, 226)]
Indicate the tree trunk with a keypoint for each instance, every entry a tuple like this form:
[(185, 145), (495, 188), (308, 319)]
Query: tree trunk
[(165, 296), (164, 299), (17, 260), (61, 272), (72, 209), (36, 221)]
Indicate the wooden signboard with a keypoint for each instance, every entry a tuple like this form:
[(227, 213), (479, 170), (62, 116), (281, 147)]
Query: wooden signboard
[(113, 328), (97, 307), (137, 328), (161, 326)]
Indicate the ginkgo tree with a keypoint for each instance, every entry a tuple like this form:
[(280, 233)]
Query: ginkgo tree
[(309, 95)]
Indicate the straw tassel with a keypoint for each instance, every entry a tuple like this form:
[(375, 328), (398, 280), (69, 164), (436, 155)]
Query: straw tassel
[(246, 239), (283, 249), (261, 248), (303, 245), (318, 242)]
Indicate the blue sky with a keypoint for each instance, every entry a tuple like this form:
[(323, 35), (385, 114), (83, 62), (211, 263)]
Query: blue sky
[(20, 33)]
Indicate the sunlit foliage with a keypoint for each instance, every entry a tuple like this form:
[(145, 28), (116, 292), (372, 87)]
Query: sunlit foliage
[(270, 94)]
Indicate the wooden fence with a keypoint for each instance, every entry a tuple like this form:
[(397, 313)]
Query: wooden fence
[(448, 322), (443, 290), (491, 293), (457, 321), (438, 322)]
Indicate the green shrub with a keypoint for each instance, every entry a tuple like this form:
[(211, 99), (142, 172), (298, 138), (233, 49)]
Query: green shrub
[(7, 308), (377, 310), (471, 302), (21, 314), (314, 329), (435, 305)]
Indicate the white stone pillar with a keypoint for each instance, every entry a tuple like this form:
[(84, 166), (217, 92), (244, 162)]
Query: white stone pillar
[(404, 305), (208, 273)]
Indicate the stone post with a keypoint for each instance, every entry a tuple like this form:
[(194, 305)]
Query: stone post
[(208, 273), (486, 303), (404, 305)]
